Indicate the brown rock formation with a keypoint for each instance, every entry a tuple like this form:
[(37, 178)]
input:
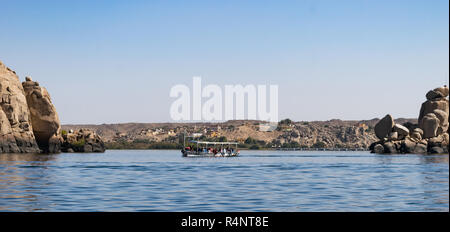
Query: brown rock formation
[(429, 124), (384, 126), (83, 140), (44, 118), (401, 130), (29, 122), (16, 131), (438, 103), (429, 136)]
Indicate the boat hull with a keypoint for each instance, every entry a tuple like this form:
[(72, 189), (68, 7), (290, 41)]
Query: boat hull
[(203, 154)]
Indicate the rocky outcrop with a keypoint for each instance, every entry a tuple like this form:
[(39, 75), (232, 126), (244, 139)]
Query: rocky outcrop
[(29, 122), (44, 118), (429, 124), (430, 135), (402, 131), (384, 126), (16, 130), (83, 140)]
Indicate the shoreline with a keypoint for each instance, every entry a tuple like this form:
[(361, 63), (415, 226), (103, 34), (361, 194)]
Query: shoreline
[(333, 134), (262, 149)]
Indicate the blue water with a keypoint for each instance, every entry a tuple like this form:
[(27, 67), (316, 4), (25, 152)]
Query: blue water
[(255, 181)]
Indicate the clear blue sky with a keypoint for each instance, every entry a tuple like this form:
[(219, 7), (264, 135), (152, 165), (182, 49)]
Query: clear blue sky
[(115, 61)]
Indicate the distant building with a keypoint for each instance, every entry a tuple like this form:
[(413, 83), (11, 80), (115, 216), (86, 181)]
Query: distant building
[(267, 127), (196, 134)]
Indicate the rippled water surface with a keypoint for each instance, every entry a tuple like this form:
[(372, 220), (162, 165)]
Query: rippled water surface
[(255, 181)]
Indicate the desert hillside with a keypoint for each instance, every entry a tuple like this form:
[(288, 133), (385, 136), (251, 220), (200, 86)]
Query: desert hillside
[(314, 134)]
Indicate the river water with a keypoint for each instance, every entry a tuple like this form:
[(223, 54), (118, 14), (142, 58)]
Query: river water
[(162, 180)]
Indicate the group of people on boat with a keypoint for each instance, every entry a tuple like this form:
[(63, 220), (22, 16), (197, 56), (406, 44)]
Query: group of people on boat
[(211, 150)]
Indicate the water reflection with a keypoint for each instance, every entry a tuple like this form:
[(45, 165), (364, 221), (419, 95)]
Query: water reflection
[(21, 178), (26, 157), (428, 159), (420, 158), (433, 178), (417, 168)]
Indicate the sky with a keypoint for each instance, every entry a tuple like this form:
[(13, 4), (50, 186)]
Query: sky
[(116, 61)]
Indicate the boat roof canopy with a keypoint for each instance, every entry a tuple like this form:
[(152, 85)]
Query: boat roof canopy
[(206, 142)]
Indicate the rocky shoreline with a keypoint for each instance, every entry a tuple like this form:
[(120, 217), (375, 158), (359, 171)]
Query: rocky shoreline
[(429, 135), (29, 122)]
